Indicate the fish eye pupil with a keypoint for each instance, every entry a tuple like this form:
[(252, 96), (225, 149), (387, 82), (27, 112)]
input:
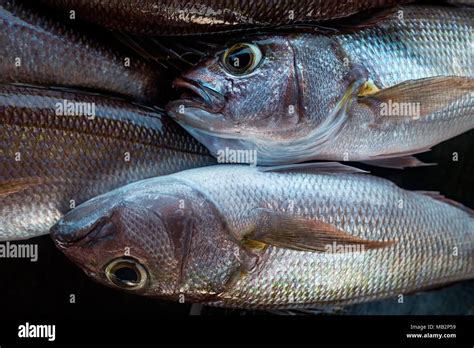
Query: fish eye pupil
[(241, 58), (126, 273)]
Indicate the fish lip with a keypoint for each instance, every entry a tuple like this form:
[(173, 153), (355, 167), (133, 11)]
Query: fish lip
[(209, 122), (209, 98), (64, 240)]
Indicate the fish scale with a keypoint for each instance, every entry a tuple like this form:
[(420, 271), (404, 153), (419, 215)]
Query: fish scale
[(53, 54), (389, 88), (66, 158), (428, 41), (425, 230), (233, 227), (171, 17)]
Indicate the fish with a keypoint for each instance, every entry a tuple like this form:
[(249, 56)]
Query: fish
[(190, 17), (59, 149), (313, 235), (379, 94), (37, 50)]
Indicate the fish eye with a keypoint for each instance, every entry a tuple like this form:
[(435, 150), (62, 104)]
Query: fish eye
[(126, 273), (242, 58)]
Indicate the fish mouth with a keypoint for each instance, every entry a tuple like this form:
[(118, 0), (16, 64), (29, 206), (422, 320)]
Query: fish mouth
[(66, 235), (198, 95), (199, 107)]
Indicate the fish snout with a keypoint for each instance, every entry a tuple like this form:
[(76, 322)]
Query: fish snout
[(89, 220), (200, 93), (66, 234)]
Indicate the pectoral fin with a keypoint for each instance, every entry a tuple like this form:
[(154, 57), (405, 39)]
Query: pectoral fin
[(298, 233), (369, 88), (418, 98)]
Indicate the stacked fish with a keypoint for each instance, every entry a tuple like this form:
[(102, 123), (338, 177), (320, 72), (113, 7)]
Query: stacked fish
[(156, 196)]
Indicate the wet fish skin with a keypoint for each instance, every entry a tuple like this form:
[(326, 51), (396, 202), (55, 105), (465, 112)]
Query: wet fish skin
[(437, 39), (54, 55), (190, 231), (50, 162), (417, 49), (170, 17)]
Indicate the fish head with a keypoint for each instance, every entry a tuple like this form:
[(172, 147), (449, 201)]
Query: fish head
[(156, 241), (271, 88), (239, 89)]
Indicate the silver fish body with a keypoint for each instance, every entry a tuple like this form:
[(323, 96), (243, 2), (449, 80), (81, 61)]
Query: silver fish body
[(36, 50), (418, 43), (59, 149), (395, 88), (415, 42), (237, 236)]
